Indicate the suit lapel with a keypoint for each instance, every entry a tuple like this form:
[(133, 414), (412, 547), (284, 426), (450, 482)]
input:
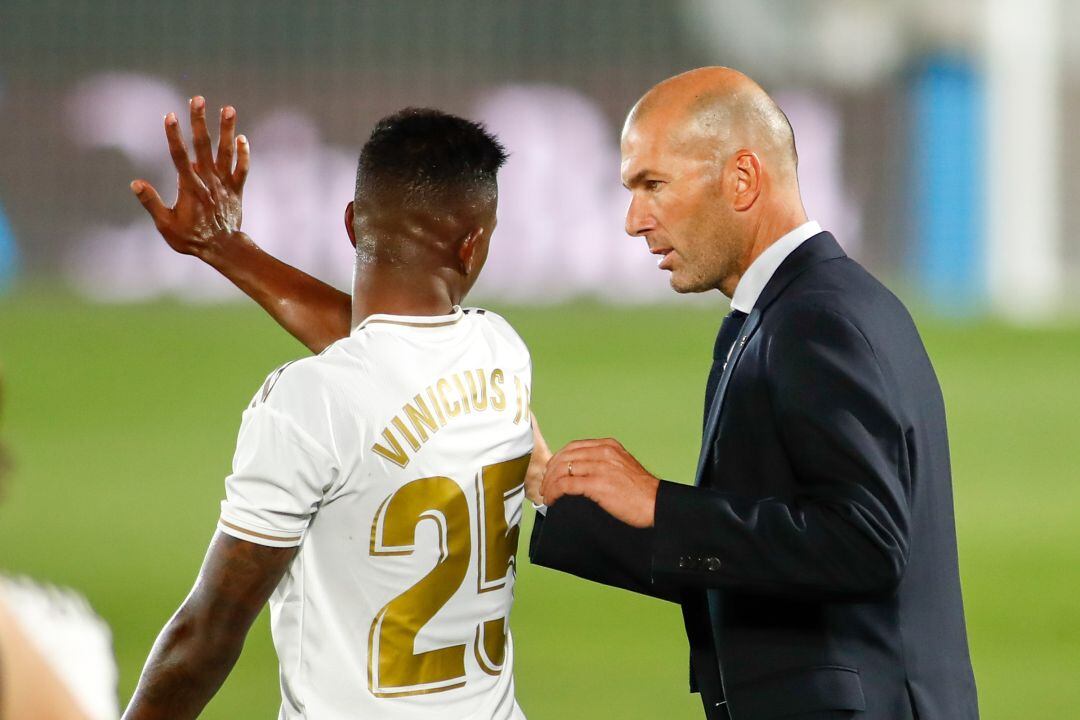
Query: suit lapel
[(819, 248)]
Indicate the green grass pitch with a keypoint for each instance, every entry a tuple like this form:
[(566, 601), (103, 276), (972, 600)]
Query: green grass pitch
[(122, 422)]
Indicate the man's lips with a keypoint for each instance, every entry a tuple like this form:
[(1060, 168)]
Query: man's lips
[(666, 253)]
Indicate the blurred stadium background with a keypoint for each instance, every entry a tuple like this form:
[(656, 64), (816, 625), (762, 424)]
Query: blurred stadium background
[(936, 141)]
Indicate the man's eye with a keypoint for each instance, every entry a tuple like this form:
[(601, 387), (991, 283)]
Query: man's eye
[(653, 185)]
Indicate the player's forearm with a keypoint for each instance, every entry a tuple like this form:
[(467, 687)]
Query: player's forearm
[(541, 454), (313, 312), (187, 666)]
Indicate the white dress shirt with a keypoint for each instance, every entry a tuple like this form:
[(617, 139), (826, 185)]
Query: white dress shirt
[(759, 273)]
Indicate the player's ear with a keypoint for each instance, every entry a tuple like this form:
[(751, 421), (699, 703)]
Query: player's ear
[(469, 251), (349, 223)]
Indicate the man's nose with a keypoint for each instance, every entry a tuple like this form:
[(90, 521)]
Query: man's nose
[(639, 218)]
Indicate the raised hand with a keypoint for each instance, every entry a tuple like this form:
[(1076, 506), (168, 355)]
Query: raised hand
[(606, 473), (208, 208)]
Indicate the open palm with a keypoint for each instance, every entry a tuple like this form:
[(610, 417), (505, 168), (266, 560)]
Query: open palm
[(208, 205)]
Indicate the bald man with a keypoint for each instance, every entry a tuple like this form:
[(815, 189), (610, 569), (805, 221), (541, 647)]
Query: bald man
[(814, 556)]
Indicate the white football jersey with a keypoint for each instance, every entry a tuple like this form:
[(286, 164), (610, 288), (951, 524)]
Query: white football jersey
[(395, 460)]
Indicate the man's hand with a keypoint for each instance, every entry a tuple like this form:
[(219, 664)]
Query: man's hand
[(538, 463), (209, 191), (604, 472), (205, 222)]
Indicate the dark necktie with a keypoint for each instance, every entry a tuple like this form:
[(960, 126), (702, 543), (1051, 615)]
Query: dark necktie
[(725, 339)]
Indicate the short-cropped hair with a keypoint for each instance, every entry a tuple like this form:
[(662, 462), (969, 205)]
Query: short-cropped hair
[(425, 157)]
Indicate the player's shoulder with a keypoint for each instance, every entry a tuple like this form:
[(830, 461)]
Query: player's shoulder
[(496, 323), (302, 399), (301, 382)]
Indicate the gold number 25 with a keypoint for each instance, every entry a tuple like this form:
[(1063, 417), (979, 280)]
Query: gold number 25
[(395, 669)]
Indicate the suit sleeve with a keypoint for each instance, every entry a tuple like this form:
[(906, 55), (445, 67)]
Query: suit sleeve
[(844, 532), (578, 537)]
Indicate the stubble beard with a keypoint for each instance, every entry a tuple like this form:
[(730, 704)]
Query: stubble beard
[(687, 286), (705, 275)]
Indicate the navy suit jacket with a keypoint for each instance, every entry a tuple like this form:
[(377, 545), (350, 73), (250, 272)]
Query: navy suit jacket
[(815, 556)]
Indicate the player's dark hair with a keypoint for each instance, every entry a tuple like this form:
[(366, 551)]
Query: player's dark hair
[(423, 156)]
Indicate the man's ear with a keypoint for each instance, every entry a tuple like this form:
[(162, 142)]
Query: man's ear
[(349, 223), (747, 180), (467, 250)]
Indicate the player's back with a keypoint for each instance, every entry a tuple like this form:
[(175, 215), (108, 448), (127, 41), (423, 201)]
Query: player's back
[(396, 461)]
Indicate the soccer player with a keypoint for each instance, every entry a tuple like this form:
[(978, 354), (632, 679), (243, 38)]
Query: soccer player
[(376, 488)]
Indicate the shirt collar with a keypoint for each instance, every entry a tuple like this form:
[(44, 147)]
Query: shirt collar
[(423, 321), (759, 273)]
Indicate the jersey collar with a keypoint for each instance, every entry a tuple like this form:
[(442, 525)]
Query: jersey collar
[(422, 321)]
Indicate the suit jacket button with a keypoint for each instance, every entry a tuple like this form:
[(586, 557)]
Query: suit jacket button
[(712, 564), (683, 563)]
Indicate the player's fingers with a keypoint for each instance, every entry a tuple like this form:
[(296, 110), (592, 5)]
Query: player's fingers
[(243, 161), (178, 151), (539, 443), (551, 477), (201, 137), (226, 141), (150, 200)]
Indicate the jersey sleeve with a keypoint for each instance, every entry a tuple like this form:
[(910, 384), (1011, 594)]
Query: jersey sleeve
[(280, 471)]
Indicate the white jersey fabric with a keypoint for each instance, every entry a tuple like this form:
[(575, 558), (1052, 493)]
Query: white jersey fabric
[(395, 460), (74, 642)]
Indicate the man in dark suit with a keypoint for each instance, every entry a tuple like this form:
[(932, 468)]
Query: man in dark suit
[(815, 554)]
